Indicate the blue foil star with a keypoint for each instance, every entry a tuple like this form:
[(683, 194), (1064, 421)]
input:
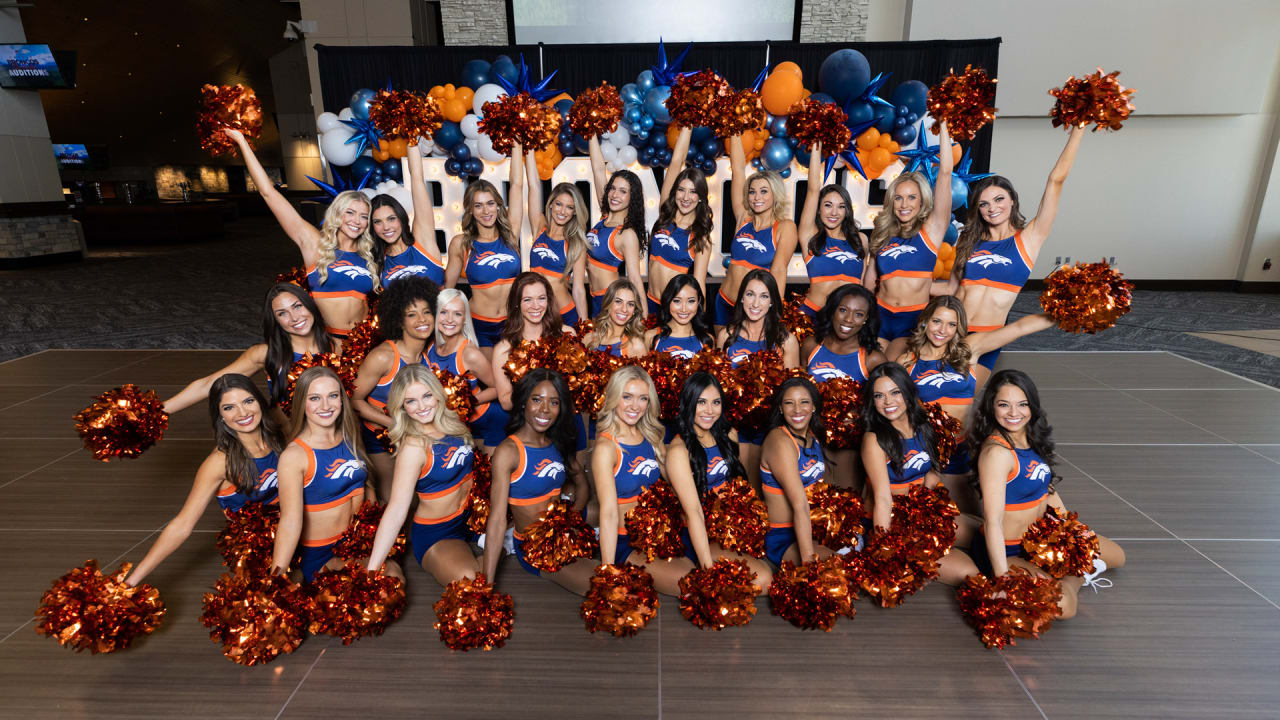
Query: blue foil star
[(850, 153), (759, 81), (524, 84), (962, 172), (365, 134), (869, 95), (922, 157), (339, 185), (665, 73)]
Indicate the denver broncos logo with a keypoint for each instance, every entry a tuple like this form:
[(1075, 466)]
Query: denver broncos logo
[(643, 466), (827, 371), (267, 480), (749, 242), (813, 470), (915, 461), (549, 468), (351, 271), (339, 469), (738, 356), (937, 378), (666, 240), (718, 468), (403, 271), (593, 239), (492, 259), (986, 259), (545, 253), (1038, 471), (841, 256), (456, 456), (679, 352), (895, 250)]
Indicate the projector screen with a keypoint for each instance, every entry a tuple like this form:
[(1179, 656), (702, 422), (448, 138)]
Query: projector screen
[(676, 21)]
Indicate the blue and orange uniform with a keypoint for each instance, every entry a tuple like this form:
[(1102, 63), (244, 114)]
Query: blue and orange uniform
[(916, 464), (670, 247), (752, 249), (635, 469), (347, 276), (738, 351), (811, 467), (913, 258), (838, 262), (826, 365), (1026, 487), (537, 480), (680, 347), (264, 491), (271, 383), (550, 258), (450, 465), (604, 253), (409, 263), (936, 381), (1001, 264), (489, 264), (333, 476), (488, 421), (378, 398), (717, 476)]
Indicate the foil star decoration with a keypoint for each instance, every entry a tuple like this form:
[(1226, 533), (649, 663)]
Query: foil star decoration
[(850, 153), (870, 95), (339, 185), (922, 157), (962, 172), (760, 78), (524, 84), (365, 133), (665, 73)]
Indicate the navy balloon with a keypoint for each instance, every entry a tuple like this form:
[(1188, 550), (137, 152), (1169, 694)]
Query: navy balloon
[(360, 103), (711, 148), (655, 103), (802, 157), (822, 98), (664, 157), (563, 106), (392, 170), (778, 126), (503, 67), (452, 167), (648, 121), (959, 193), (793, 142), (644, 81), (658, 141), (566, 146), (757, 164), (631, 93), (785, 173), (475, 73), (377, 177), (640, 135), (633, 113), (776, 154), (702, 134), (362, 166), (448, 136), (899, 122), (474, 166), (708, 167), (912, 94), (884, 116), (460, 152), (844, 74), (580, 143), (859, 112), (904, 135), (912, 118)]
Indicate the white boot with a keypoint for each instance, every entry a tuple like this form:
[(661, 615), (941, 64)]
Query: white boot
[(1093, 580)]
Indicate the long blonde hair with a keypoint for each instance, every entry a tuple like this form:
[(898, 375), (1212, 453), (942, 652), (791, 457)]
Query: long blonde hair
[(347, 421), (328, 249), (468, 330), (781, 204), (634, 327), (957, 353), (471, 228), (649, 426), (575, 232), (886, 224), (404, 427)]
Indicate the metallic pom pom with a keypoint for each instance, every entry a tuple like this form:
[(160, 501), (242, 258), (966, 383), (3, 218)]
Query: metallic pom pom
[(122, 422), (841, 412), (1097, 98), (256, 616), (1028, 607), (363, 337), (596, 111), (721, 596), (248, 540), (653, 525), (737, 112), (477, 501), (87, 610), (1060, 544), (813, 595), (793, 317), (558, 537), (835, 515), (356, 541), (227, 106), (948, 432), (405, 115), (894, 565), (459, 396), (694, 98), (737, 519), (295, 275), (927, 517), (353, 602), (520, 119), (621, 600), (346, 374), (471, 614), (963, 101), (1086, 298), (817, 122)]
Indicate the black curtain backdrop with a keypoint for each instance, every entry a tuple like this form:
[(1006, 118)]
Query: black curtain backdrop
[(343, 70)]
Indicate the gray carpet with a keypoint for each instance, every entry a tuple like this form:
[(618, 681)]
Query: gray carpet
[(208, 296)]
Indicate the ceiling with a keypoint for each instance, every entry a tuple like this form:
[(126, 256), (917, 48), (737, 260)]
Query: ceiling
[(141, 65)]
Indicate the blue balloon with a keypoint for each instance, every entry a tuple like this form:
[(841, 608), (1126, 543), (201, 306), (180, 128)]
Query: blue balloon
[(452, 167), (658, 140), (448, 136), (953, 234), (902, 111), (581, 144), (802, 157), (505, 68), (711, 148), (959, 192), (899, 122), (392, 170), (884, 116), (757, 164), (475, 73), (630, 93), (362, 166), (912, 94), (702, 134), (844, 74), (694, 157), (360, 104), (785, 173), (644, 81), (664, 156), (655, 103), (708, 167), (648, 121), (778, 127), (640, 135), (859, 113), (474, 166), (912, 118), (563, 106), (777, 154), (377, 177), (566, 146), (460, 152), (822, 98), (634, 113), (904, 135)]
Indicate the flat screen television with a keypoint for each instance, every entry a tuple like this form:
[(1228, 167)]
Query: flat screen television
[(71, 156), (30, 66)]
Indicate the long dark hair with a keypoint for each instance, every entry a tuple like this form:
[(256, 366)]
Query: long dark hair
[(815, 423), (513, 328), (563, 433), (848, 226), (687, 429), (406, 232), (824, 323), (471, 226), (635, 205), (886, 434), (703, 216), (279, 347), (975, 228), (699, 322), (240, 469), (397, 298), (774, 331), (984, 425)]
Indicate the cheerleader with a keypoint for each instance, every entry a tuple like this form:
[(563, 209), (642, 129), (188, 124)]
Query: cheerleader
[(835, 251), (407, 249), (339, 257), (455, 350), (532, 467), (792, 461), (756, 326), (899, 450), (998, 247), (529, 318), (559, 251), (682, 327), (322, 475), (627, 458), (619, 329), (904, 242), (765, 239), (1014, 445), (487, 252), (435, 461), (844, 345), (289, 331), (682, 235), (406, 316), (241, 470), (619, 237), (700, 467)]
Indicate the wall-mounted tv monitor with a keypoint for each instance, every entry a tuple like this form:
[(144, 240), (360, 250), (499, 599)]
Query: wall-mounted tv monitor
[(29, 66), (76, 156)]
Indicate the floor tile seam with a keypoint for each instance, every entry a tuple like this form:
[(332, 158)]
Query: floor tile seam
[(303, 679), (1160, 525), (1018, 679), (1176, 417), (55, 461), (6, 362), (144, 358), (37, 397), (1228, 372)]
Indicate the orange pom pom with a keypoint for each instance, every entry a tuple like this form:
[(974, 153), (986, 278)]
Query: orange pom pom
[(1086, 298), (87, 610), (256, 616), (227, 106), (621, 600), (795, 319), (295, 275), (353, 602), (721, 596), (927, 517), (1097, 98), (356, 541), (519, 119), (963, 101), (346, 374), (472, 614), (813, 122), (1060, 544), (948, 432), (813, 595), (363, 337), (558, 537), (459, 397), (841, 412), (894, 565), (405, 115), (477, 501), (835, 515), (1028, 606), (122, 422), (736, 113), (653, 525), (737, 519), (248, 540), (694, 98), (596, 111)]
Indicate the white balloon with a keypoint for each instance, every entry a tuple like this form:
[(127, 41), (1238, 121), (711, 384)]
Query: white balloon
[(336, 151), (346, 114), (619, 138), (487, 152), (609, 152), (473, 144), (486, 93), (470, 126), (369, 192), (327, 121), (426, 146), (627, 155), (438, 151)]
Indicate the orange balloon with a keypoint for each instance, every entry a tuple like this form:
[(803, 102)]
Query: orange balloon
[(886, 139), (869, 139), (547, 161), (956, 153), (398, 148), (454, 109), (893, 147), (382, 153), (780, 91), (881, 157), (437, 91), (450, 91), (789, 67), (673, 132), (807, 93), (465, 95)]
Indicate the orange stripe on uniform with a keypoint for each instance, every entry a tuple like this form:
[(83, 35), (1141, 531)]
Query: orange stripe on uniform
[(446, 491), (322, 543), (358, 492), (533, 501), (894, 308), (437, 521), (1024, 505)]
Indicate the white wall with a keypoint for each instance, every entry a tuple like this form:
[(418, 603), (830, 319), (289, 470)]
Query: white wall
[(1175, 193), (28, 170)]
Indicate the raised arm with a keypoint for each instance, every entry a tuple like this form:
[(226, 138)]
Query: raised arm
[(293, 463), (409, 462), (579, 289), (495, 528), (301, 232), (424, 213), (1037, 231), (203, 488), (781, 456), (809, 215), (681, 478), (603, 455), (936, 224), (598, 171), (786, 247), (678, 155), (984, 342), (738, 179), (515, 194), (536, 219), (249, 363), (875, 463)]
